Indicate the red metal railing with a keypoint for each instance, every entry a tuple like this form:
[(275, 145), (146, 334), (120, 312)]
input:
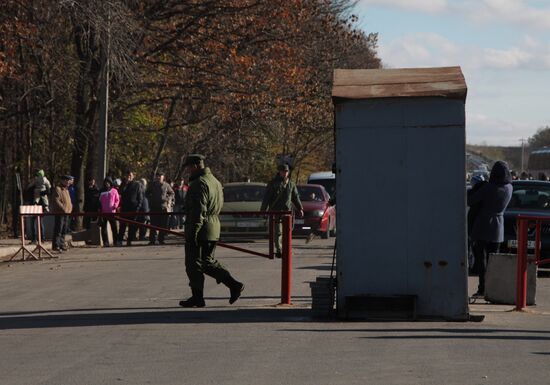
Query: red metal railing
[(273, 216), (523, 222)]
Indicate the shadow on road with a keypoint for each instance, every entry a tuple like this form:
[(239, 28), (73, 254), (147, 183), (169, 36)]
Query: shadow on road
[(101, 317), (317, 267), (442, 333)]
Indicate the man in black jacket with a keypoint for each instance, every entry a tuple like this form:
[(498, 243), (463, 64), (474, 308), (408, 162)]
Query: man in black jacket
[(91, 201), (131, 199)]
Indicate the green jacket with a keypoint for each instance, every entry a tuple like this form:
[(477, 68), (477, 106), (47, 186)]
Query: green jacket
[(279, 196), (203, 203)]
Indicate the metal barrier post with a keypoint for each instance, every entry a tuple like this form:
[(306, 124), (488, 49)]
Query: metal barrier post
[(286, 278), (538, 240), (271, 225), (521, 273), (39, 237)]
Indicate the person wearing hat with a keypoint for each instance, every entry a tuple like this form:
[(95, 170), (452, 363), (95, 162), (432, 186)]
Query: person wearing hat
[(39, 188), (281, 194), (203, 203), (161, 196), (488, 225), (61, 204)]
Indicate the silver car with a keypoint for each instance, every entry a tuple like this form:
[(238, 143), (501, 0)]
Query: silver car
[(239, 197)]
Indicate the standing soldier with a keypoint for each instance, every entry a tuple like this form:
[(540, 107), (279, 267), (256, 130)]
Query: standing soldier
[(280, 195), (203, 203), (161, 197)]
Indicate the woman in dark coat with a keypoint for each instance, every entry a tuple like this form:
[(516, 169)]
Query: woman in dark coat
[(488, 228)]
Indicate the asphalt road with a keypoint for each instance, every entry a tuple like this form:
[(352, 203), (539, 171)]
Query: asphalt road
[(110, 316)]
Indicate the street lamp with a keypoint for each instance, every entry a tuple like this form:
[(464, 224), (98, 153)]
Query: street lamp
[(522, 140)]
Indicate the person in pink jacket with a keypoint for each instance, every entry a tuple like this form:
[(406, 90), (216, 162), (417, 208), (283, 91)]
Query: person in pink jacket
[(109, 200)]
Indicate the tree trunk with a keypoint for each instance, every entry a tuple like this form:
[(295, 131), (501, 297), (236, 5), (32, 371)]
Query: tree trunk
[(164, 137), (86, 104)]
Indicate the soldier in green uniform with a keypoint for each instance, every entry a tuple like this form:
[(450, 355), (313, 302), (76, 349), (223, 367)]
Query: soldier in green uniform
[(281, 193), (203, 203)]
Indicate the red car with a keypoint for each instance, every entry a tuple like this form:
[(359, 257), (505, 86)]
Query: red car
[(319, 215)]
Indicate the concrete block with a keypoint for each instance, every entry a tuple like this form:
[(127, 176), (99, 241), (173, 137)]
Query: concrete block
[(94, 234), (322, 297), (500, 280), (80, 236), (91, 236)]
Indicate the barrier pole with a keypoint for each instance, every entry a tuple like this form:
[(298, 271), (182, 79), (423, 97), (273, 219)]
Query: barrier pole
[(537, 240), (23, 246), (39, 238), (286, 273), (271, 224), (521, 272)]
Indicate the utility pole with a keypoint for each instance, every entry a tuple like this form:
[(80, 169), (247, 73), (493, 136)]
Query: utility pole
[(522, 140), (104, 104)]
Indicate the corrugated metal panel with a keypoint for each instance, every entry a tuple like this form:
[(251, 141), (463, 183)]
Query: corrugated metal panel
[(445, 82)]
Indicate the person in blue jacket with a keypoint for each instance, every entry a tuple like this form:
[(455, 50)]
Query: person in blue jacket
[(488, 227)]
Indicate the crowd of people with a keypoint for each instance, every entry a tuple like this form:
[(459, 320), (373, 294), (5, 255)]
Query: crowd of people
[(524, 175), (135, 199)]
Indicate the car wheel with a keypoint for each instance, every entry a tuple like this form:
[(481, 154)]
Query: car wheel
[(326, 233)]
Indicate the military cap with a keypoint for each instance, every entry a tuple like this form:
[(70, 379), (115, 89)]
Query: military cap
[(283, 167), (194, 159)]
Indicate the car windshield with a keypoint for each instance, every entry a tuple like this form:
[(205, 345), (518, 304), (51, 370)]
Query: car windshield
[(310, 194), (243, 193), (530, 197)]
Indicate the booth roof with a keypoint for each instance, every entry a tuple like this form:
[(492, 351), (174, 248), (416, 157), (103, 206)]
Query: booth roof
[(445, 82)]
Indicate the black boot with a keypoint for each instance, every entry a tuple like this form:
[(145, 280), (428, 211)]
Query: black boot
[(236, 289), (196, 300)]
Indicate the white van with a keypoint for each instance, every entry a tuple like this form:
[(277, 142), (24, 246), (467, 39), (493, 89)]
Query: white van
[(327, 179)]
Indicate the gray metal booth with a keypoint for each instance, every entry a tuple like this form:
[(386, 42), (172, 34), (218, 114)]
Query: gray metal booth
[(400, 188)]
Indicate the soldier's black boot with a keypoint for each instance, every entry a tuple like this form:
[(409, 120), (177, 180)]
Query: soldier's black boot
[(196, 299), (235, 290), (235, 287)]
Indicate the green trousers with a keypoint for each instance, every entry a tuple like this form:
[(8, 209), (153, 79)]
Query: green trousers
[(199, 260)]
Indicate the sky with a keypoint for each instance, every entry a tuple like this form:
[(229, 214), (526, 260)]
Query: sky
[(503, 47)]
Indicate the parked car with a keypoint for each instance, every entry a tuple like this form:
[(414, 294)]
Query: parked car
[(319, 215), (529, 197), (245, 196)]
